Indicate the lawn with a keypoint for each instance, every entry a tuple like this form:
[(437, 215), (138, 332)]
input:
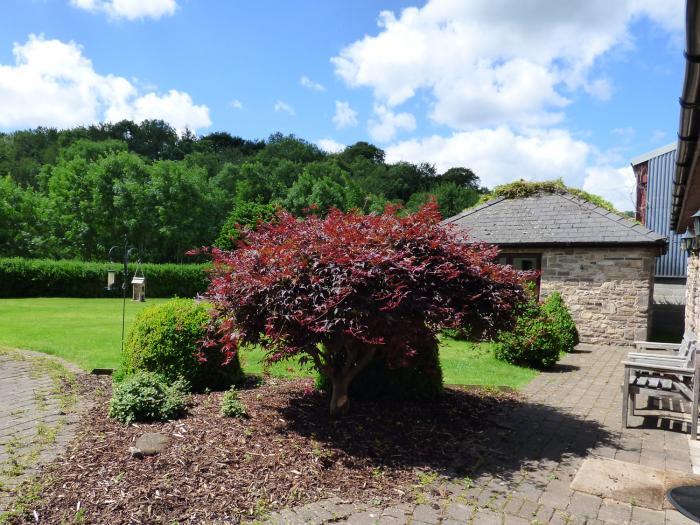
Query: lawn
[(87, 332)]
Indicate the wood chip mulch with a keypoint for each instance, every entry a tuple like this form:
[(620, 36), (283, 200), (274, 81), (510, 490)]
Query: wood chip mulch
[(286, 453)]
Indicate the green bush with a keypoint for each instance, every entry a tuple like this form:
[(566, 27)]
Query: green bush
[(421, 380), (48, 278), (561, 321), (146, 396), (165, 338), (542, 331), (231, 406)]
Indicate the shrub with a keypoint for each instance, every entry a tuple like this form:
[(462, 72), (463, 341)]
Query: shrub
[(165, 338), (146, 396), (533, 341), (231, 406), (49, 278), (522, 188), (342, 289), (561, 321)]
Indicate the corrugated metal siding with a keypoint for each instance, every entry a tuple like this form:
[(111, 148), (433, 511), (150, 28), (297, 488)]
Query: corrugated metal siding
[(658, 214)]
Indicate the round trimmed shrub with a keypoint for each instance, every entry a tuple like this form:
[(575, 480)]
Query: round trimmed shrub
[(562, 323), (533, 341), (146, 396), (165, 338)]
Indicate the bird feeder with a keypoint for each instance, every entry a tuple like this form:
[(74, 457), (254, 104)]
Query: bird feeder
[(138, 284), (111, 279)]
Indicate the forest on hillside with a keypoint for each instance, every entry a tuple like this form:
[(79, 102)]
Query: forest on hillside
[(71, 194)]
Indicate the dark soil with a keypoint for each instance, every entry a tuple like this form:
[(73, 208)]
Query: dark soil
[(287, 452)]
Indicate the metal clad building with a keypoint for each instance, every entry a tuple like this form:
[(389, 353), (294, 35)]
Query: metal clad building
[(654, 172)]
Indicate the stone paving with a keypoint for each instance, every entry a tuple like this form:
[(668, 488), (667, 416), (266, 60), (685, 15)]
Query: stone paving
[(37, 416), (569, 413)]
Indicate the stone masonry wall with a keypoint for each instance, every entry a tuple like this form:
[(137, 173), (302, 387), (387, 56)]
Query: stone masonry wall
[(692, 294), (608, 290)]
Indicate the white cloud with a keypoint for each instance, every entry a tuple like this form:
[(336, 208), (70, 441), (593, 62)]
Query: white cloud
[(129, 9), (308, 83), (493, 62), (388, 123), (600, 88), (175, 107), (330, 145), (283, 107), (53, 84), (617, 185), (500, 155), (344, 116), (236, 104)]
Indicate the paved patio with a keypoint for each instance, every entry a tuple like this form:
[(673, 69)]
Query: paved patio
[(37, 416), (569, 414)]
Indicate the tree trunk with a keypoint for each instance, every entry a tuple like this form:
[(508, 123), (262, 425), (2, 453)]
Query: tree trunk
[(341, 379), (340, 401)]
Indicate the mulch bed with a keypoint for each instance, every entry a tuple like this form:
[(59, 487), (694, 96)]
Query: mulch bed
[(288, 452)]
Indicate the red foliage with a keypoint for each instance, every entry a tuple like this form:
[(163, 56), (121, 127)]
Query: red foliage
[(338, 287)]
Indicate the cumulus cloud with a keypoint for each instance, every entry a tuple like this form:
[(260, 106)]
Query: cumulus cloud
[(53, 84), (617, 185), (493, 62), (500, 155), (308, 83), (344, 116), (330, 145), (384, 127), (128, 9), (236, 104), (282, 107)]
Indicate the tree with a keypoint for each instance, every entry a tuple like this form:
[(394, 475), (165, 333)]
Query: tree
[(245, 215), (340, 290), (451, 198)]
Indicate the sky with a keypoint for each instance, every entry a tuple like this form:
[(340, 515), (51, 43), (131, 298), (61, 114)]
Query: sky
[(531, 89)]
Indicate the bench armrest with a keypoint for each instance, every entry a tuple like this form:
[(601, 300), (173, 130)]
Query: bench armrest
[(656, 346), (679, 370)]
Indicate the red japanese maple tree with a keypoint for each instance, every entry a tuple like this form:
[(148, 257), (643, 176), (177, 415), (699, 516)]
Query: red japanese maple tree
[(336, 291)]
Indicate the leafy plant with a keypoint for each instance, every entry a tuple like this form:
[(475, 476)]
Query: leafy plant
[(147, 396), (561, 321), (523, 188), (542, 331), (231, 405), (166, 338), (341, 290)]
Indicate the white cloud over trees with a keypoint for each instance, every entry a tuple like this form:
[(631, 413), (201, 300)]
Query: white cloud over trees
[(52, 83)]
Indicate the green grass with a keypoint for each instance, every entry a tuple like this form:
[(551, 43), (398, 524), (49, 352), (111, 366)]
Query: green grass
[(465, 363), (88, 332)]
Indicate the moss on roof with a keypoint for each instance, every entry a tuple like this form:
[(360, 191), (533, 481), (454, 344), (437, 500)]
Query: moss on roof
[(522, 188)]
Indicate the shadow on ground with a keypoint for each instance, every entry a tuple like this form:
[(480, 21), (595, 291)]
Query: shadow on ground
[(465, 433)]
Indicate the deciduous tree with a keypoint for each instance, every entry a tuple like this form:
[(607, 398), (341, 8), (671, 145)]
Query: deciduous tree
[(339, 290)]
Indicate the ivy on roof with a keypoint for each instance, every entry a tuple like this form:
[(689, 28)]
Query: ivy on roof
[(522, 188)]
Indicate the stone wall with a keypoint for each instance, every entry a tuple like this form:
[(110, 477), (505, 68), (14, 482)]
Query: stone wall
[(692, 294), (608, 290)]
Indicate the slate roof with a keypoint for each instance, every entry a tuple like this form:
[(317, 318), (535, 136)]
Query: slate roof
[(549, 219)]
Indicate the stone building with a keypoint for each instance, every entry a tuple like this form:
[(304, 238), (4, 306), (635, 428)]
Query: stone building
[(600, 262)]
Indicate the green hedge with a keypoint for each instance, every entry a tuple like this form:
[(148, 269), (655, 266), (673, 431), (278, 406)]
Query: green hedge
[(49, 278)]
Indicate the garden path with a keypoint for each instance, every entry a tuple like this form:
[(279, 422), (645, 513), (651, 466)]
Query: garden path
[(37, 414), (569, 414)]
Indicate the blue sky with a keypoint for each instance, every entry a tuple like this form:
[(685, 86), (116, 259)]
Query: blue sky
[(532, 90)]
